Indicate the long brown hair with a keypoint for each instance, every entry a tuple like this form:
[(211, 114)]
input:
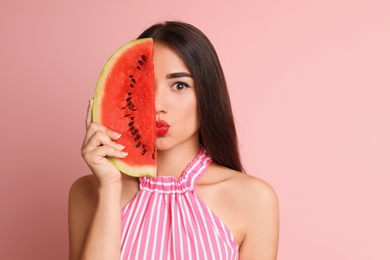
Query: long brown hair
[(217, 129)]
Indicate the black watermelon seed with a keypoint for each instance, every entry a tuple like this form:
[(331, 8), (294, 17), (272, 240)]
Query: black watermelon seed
[(134, 132), (137, 145), (143, 151), (153, 156), (138, 67), (132, 118), (143, 57), (140, 62), (133, 80), (136, 137), (131, 76), (131, 85), (127, 115), (129, 93), (128, 99), (131, 123)]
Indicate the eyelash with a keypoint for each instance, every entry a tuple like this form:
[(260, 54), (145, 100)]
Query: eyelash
[(174, 86)]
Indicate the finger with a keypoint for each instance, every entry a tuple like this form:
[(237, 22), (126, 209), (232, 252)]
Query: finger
[(96, 127), (100, 139), (96, 155), (109, 151), (88, 119)]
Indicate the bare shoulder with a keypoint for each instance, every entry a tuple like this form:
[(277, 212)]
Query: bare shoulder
[(83, 198), (241, 186), (87, 181), (248, 206), (84, 188), (258, 203), (252, 189)]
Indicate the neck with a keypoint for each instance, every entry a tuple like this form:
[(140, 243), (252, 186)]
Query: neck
[(173, 162)]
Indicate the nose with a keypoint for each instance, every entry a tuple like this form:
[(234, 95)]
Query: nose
[(159, 101)]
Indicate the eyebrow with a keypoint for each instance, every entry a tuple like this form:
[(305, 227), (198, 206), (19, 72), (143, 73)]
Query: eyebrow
[(178, 75)]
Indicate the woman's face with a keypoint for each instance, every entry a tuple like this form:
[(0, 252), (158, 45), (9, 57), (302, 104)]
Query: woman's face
[(176, 106)]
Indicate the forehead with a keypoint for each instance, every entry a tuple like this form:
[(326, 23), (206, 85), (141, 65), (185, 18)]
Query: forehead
[(167, 61)]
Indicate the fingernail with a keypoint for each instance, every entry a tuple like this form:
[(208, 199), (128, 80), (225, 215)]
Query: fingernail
[(116, 135), (124, 154), (119, 146)]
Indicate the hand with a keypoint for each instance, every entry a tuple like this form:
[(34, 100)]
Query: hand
[(100, 142)]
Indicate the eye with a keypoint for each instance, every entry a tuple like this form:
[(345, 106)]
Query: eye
[(179, 86)]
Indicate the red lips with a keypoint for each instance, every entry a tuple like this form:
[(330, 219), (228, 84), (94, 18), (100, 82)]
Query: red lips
[(162, 128)]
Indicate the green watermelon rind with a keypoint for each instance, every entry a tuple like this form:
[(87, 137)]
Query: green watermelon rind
[(135, 171)]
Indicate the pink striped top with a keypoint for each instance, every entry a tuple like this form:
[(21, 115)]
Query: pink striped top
[(167, 220)]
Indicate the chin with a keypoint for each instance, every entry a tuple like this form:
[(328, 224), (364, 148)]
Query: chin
[(168, 142), (163, 145)]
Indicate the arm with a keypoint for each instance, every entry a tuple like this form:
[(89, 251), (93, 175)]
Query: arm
[(94, 201), (262, 223), (94, 220)]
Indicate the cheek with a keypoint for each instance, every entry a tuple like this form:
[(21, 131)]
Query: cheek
[(183, 109), (192, 120), (192, 112), (189, 115)]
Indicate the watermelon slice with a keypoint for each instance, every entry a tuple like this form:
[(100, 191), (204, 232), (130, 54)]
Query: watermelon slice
[(124, 102)]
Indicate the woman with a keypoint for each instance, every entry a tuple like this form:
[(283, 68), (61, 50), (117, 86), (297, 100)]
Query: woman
[(200, 205)]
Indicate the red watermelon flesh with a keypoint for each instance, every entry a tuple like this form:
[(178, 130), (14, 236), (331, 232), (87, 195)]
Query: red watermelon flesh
[(124, 103)]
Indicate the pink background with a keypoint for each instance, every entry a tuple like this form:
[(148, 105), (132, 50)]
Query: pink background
[(310, 86)]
